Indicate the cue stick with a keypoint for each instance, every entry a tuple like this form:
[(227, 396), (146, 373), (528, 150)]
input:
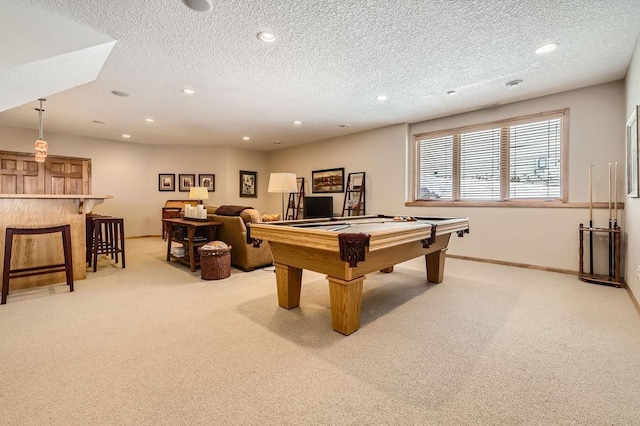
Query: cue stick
[(610, 223), (615, 192), (590, 221), (615, 217)]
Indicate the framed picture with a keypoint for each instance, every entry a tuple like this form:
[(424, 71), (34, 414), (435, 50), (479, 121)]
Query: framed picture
[(632, 153), (166, 182), (328, 180), (207, 181), (186, 182), (248, 184)]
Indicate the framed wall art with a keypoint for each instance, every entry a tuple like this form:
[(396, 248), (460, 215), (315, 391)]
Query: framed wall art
[(207, 181), (632, 153), (248, 184), (186, 181), (328, 180), (166, 182)]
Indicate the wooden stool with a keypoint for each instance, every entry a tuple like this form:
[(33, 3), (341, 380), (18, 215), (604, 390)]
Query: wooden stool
[(108, 238), (8, 273), (89, 234)]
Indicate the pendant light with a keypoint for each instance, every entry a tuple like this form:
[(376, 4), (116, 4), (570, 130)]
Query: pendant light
[(41, 144)]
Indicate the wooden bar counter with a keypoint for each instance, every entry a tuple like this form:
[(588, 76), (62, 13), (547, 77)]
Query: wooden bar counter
[(35, 210)]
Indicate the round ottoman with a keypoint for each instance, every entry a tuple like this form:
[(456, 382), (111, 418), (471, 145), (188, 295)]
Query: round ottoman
[(215, 260)]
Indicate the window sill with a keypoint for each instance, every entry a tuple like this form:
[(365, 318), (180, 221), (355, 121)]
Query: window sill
[(511, 203)]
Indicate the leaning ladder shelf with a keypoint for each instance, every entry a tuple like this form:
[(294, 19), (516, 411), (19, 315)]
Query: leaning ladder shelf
[(354, 197), (295, 206), (613, 278)]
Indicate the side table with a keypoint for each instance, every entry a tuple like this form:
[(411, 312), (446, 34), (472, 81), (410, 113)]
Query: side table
[(190, 242)]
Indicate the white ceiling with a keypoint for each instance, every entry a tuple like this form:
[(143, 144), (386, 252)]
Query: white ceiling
[(329, 62)]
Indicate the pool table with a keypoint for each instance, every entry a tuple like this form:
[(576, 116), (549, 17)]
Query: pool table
[(348, 248)]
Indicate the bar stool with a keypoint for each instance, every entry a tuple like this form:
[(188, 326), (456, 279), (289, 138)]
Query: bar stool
[(108, 238), (8, 273), (89, 234)]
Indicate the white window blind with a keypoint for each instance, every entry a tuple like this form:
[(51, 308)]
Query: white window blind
[(480, 165), (534, 152), (519, 159), (435, 172)]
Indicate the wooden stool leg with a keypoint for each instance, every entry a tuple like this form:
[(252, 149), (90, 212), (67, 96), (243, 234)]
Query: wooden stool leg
[(68, 258), (121, 226), (97, 237), (8, 244)]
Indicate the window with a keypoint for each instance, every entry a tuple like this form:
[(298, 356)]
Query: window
[(516, 159)]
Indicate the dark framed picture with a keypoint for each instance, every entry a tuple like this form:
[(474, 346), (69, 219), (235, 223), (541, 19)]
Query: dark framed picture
[(186, 181), (166, 182), (248, 184), (207, 181), (328, 180), (632, 153)]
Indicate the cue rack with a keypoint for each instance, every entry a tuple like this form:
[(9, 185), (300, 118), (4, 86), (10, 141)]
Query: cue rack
[(612, 234)]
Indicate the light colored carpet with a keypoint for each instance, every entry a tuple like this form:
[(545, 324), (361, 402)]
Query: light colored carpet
[(154, 344)]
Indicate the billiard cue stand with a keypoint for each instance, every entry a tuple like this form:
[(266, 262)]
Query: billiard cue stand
[(613, 278)]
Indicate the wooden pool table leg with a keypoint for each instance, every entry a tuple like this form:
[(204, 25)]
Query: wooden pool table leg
[(435, 266), (289, 281), (346, 298)]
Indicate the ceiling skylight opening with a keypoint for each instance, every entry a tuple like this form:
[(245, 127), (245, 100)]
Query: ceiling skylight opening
[(246, 138), (549, 47), (514, 83), (198, 5), (126, 136), (188, 91), (266, 36), (381, 97), (149, 120), (297, 123)]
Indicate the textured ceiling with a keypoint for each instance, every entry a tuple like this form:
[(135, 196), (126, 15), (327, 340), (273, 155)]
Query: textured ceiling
[(329, 62)]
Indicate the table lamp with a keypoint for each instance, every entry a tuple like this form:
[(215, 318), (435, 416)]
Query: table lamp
[(199, 212), (198, 193), (283, 182)]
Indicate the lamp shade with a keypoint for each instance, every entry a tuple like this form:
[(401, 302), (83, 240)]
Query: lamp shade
[(283, 182), (198, 193)]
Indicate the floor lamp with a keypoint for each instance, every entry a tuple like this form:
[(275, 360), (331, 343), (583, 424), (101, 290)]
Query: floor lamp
[(283, 182)]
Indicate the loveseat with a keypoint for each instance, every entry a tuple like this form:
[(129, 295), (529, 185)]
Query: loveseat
[(234, 232)]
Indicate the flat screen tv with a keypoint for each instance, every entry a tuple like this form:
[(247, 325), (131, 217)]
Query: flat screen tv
[(317, 207)]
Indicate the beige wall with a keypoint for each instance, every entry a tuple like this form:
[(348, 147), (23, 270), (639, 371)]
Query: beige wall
[(380, 153), (545, 236), (129, 172), (632, 211)]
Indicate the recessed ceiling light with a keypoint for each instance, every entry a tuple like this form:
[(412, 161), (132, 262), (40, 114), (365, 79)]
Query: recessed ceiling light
[(246, 138), (381, 97), (99, 122), (451, 92), (119, 93), (266, 36), (149, 120), (188, 91), (550, 47), (198, 5), (126, 136), (344, 125), (297, 123), (513, 83)]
